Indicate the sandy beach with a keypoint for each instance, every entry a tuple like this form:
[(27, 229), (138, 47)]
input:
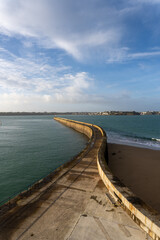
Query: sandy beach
[(139, 170)]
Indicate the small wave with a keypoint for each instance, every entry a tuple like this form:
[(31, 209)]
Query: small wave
[(133, 140), (156, 139), (132, 135), (141, 137)]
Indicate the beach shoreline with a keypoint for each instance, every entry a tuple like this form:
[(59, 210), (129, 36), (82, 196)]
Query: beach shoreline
[(138, 168), (152, 144)]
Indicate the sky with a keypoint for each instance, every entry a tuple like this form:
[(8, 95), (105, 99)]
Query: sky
[(88, 55)]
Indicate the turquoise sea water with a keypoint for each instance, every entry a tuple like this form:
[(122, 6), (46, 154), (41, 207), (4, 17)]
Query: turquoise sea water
[(141, 131), (33, 146)]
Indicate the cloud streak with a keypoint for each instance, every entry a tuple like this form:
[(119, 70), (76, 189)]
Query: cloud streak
[(123, 55), (143, 54), (73, 27)]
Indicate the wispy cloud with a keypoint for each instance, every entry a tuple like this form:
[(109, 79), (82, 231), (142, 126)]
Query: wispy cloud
[(123, 55), (74, 91), (41, 80), (143, 54), (79, 29), (112, 85), (117, 55), (73, 27), (20, 74)]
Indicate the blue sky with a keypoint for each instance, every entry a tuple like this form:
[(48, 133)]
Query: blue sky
[(88, 55)]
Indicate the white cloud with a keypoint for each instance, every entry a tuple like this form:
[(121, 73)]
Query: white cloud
[(73, 27), (117, 55), (81, 29), (143, 54), (22, 75), (47, 98), (49, 84), (74, 91), (112, 85), (122, 101), (20, 102), (121, 55)]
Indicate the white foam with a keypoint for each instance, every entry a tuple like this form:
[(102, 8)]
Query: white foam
[(156, 139), (132, 141)]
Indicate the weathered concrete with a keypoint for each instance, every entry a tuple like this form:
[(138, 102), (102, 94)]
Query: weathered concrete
[(72, 205), (142, 214)]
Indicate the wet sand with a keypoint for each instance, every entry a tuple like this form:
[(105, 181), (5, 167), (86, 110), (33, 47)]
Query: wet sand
[(139, 170)]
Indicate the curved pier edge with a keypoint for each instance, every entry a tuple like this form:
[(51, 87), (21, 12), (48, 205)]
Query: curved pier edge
[(142, 214)]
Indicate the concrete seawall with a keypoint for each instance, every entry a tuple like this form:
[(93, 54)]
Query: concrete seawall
[(142, 214), (80, 127)]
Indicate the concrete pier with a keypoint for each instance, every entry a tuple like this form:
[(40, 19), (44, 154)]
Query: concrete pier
[(71, 204)]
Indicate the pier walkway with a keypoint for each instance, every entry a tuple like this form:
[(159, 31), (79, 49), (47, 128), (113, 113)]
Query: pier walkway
[(74, 205)]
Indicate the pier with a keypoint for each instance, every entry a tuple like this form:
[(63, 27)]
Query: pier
[(80, 200)]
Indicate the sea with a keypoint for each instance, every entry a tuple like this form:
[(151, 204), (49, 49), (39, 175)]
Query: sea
[(33, 146), (139, 130)]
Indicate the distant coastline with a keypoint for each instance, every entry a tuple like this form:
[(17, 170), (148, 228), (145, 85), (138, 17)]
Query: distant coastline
[(105, 113)]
